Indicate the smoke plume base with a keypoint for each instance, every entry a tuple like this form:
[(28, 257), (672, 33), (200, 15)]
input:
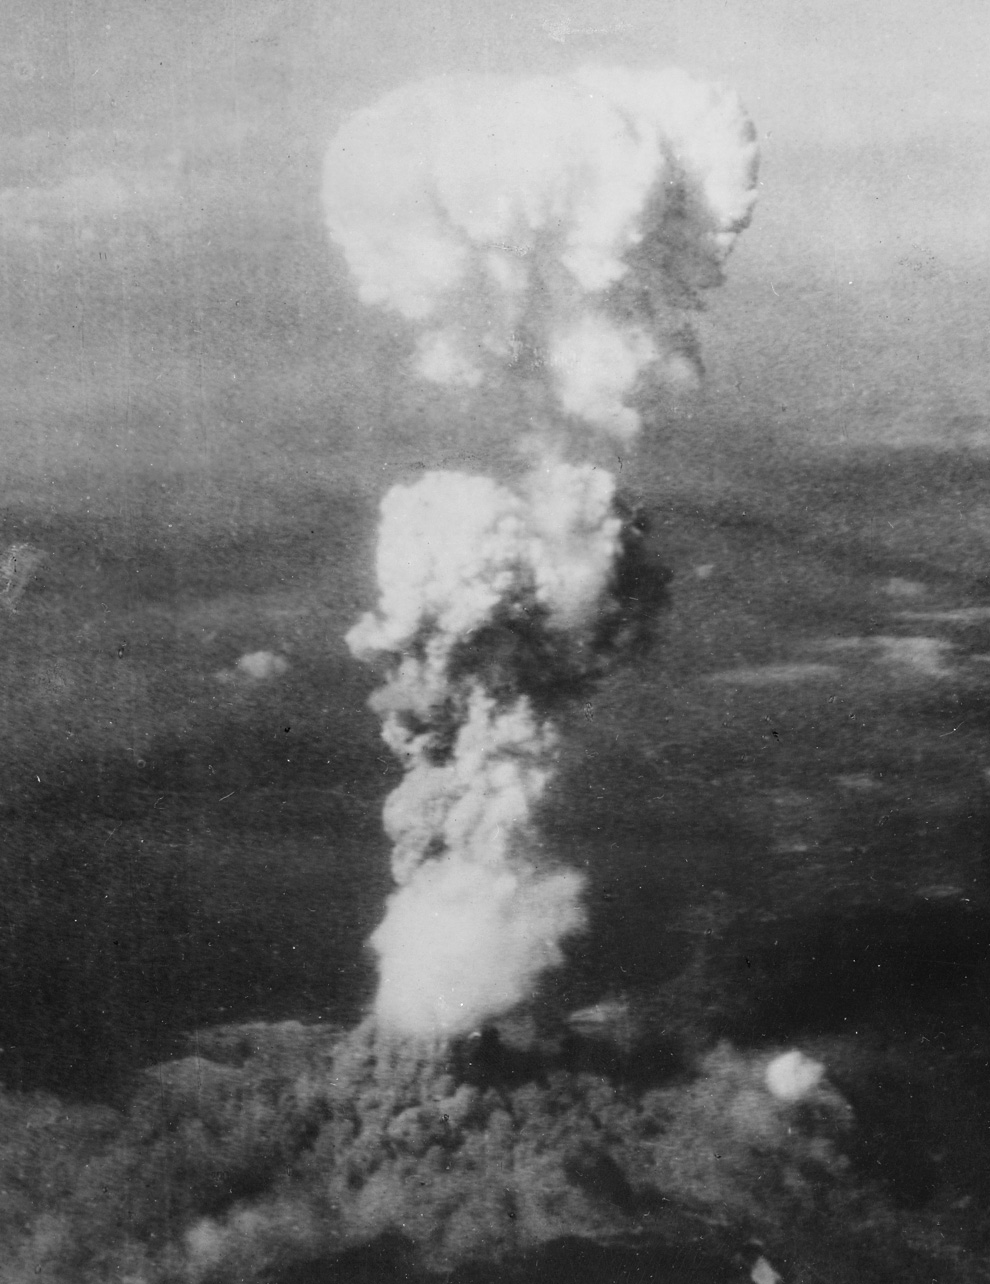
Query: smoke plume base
[(496, 605), (283, 1145)]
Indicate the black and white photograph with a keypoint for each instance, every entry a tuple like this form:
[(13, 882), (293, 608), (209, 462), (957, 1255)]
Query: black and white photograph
[(494, 642)]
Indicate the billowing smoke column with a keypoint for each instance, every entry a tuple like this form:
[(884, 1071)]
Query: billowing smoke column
[(548, 239), (492, 604)]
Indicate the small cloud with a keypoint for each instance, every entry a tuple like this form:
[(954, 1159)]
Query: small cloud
[(770, 674), (942, 892), (260, 665), (557, 24), (610, 1021), (898, 587), (858, 782), (75, 199), (960, 615), (255, 666), (792, 1075), (922, 653)]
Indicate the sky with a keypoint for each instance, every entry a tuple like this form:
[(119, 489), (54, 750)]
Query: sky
[(168, 298)]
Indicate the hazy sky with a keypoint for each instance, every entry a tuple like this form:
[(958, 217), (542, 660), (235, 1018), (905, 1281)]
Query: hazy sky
[(160, 233), (833, 68)]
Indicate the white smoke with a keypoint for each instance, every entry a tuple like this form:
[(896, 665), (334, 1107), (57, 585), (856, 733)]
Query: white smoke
[(466, 567), (563, 225), (461, 944), (453, 547), (548, 238)]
